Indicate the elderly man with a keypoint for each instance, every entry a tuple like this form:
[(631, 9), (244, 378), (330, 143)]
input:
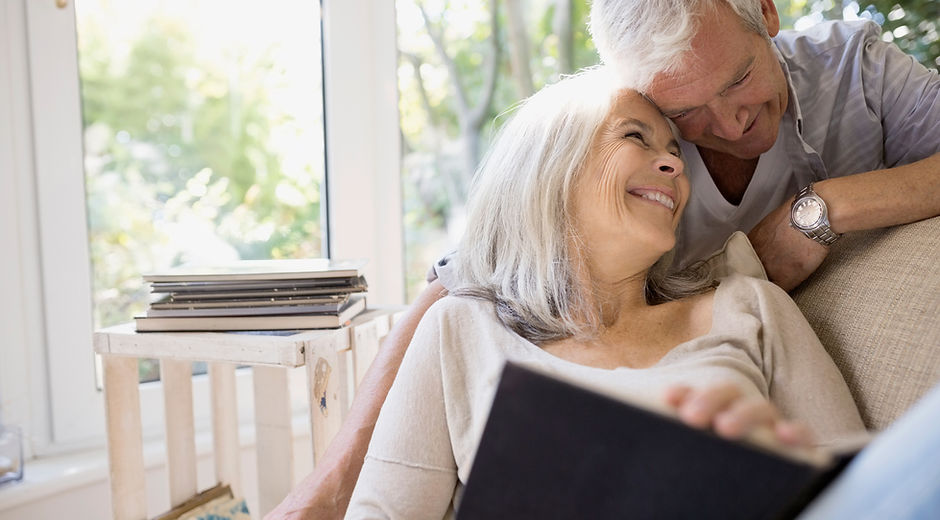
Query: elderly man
[(835, 117), (794, 138)]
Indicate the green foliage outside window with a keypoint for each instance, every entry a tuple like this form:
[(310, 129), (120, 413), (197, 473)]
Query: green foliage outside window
[(181, 164), (199, 147), (912, 24)]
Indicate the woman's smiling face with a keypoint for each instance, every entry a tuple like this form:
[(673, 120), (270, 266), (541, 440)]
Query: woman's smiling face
[(629, 196)]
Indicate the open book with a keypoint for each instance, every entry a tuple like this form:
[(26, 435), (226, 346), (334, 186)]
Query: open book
[(554, 450)]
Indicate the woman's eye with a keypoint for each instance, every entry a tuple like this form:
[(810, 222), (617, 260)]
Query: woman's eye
[(635, 135), (743, 79)]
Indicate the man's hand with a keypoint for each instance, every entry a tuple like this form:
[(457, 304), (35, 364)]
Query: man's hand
[(789, 257)]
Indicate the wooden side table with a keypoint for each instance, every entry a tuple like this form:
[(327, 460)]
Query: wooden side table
[(335, 360)]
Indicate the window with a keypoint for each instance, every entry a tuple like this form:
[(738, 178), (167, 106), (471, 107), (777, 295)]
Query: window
[(142, 162), (203, 139), (461, 65), (47, 379)]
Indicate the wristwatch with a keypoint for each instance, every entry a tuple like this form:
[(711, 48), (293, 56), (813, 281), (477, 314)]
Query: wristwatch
[(809, 215)]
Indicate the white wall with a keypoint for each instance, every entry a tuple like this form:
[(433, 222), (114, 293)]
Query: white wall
[(364, 141), (22, 340)]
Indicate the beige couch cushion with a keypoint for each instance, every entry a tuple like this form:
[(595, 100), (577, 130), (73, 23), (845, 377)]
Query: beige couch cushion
[(875, 305)]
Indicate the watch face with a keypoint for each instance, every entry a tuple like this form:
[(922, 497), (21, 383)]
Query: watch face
[(807, 213)]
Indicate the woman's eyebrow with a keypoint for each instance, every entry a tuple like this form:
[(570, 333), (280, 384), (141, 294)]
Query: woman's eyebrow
[(631, 121)]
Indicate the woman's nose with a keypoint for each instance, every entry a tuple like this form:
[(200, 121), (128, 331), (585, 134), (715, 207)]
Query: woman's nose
[(669, 165)]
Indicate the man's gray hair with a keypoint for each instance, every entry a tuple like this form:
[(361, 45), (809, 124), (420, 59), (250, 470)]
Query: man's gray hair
[(519, 249), (644, 38)]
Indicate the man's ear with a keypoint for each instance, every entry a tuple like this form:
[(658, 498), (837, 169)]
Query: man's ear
[(771, 18)]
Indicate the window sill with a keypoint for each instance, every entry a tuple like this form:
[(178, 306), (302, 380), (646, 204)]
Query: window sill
[(50, 476), (47, 476)]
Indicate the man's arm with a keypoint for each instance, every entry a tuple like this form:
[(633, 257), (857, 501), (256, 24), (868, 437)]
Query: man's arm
[(325, 492), (867, 200)]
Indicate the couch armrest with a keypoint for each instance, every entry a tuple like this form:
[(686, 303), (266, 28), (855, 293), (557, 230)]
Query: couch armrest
[(875, 305)]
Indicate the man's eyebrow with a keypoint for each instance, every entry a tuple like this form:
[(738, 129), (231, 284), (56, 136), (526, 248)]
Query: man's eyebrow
[(742, 70)]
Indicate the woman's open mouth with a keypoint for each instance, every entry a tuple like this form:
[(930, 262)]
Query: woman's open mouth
[(655, 196)]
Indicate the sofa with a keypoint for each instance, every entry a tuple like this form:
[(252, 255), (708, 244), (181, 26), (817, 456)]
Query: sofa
[(875, 305)]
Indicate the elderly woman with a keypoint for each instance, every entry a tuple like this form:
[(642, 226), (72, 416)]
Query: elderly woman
[(570, 215)]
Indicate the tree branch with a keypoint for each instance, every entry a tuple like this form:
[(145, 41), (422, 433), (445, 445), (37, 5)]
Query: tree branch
[(561, 24), (476, 117), (438, 38), (519, 48), (416, 63)]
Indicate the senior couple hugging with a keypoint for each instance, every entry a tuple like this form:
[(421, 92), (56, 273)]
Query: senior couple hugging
[(590, 220)]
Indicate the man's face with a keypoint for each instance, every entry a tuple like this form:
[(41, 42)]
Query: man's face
[(731, 93)]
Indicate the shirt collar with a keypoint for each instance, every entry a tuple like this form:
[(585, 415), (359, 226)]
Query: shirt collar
[(793, 103)]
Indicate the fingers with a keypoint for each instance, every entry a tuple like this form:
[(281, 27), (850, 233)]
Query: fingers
[(700, 406), (744, 416), (733, 415), (793, 433), (676, 395)]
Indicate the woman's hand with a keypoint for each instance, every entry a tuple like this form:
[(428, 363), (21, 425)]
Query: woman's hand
[(732, 415)]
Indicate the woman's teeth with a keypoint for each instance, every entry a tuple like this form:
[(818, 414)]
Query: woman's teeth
[(660, 198)]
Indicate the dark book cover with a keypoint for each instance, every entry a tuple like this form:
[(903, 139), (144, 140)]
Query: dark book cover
[(554, 450)]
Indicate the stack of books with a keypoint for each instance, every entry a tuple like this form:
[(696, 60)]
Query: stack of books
[(216, 503), (255, 295)]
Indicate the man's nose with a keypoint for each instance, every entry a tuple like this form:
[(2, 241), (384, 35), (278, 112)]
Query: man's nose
[(729, 119)]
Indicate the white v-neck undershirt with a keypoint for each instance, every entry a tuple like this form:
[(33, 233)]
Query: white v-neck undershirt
[(709, 219)]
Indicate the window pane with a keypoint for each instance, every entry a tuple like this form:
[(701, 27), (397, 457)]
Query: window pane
[(203, 134), (444, 138)]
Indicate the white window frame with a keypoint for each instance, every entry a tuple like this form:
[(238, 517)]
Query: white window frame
[(50, 319)]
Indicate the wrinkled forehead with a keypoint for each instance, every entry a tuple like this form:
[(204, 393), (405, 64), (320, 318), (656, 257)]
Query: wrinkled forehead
[(631, 104), (712, 67)]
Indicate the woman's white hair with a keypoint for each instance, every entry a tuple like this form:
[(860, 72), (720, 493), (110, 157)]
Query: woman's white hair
[(644, 38), (517, 248)]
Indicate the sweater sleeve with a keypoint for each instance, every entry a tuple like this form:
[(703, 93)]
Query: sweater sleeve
[(409, 471), (803, 381)]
